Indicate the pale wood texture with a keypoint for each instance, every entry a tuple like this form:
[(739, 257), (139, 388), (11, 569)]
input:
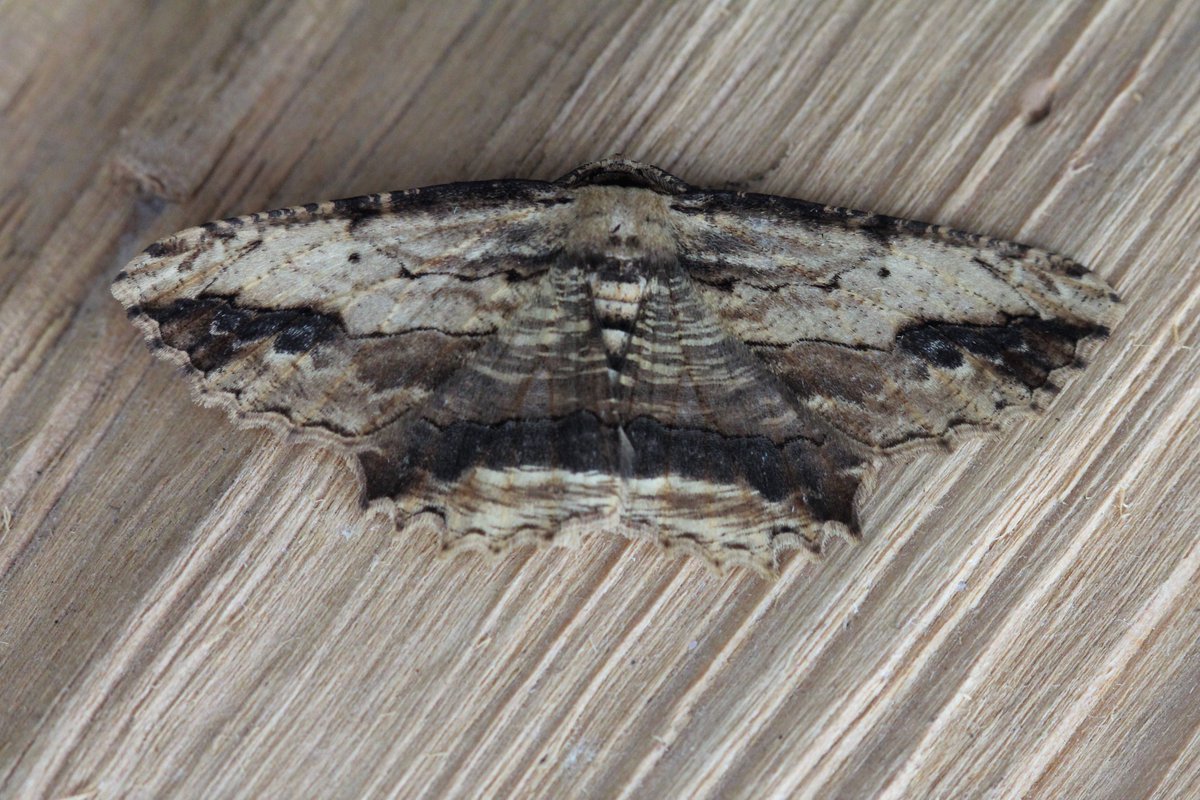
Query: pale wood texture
[(191, 610)]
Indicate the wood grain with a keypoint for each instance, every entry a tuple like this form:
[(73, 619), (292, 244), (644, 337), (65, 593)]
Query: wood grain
[(191, 610)]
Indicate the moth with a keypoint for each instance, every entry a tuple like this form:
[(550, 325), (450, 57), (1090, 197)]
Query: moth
[(520, 360)]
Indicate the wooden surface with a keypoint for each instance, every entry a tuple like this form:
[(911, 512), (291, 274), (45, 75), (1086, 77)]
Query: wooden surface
[(191, 610)]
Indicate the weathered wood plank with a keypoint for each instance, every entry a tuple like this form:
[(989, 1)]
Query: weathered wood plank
[(194, 610)]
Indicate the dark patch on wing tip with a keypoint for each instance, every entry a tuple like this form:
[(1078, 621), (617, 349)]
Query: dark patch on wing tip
[(311, 208), (133, 311), (234, 222), (929, 344), (122, 275), (1027, 349), (306, 330), (1075, 269), (211, 329), (1114, 297)]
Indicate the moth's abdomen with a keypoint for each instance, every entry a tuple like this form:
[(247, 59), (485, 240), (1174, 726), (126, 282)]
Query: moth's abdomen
[(616, 301)]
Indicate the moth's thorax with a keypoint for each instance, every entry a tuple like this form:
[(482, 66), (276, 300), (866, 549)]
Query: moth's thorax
[(623, 224)]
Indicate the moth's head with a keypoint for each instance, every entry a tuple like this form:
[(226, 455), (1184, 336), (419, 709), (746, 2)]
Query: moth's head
[(620, 171)]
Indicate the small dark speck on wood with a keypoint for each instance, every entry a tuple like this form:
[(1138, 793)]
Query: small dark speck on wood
[(1037, 101)]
